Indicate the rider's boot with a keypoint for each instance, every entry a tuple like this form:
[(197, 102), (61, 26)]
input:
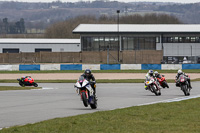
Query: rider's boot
[(145, 87)]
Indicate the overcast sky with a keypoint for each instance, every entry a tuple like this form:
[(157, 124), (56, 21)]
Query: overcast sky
[(179, 1)]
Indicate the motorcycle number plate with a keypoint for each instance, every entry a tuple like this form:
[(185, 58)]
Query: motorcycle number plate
[(182, 80)]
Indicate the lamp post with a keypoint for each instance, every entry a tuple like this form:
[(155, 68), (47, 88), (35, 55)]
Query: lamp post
[(118, 11)]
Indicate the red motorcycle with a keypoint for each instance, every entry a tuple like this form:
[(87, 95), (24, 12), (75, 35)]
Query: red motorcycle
[(162, 81), (27, 81)]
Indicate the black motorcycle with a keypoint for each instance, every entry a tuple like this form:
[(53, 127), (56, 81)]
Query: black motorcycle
[(183, 83)]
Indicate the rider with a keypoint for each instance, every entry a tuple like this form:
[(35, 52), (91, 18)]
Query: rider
[(89, 76), (180, 72), (149, 74), (157, 75)]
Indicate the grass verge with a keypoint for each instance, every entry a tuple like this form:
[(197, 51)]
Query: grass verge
[(5, 88), (98, 81), (177, 117), (103, 71)]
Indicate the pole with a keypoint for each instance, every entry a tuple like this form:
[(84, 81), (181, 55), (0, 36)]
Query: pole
[(118, 11), (107, 54)]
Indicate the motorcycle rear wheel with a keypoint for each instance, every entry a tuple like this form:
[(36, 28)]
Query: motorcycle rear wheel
[(94, 106)]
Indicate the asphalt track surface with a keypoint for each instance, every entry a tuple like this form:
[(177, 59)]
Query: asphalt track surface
[(56, 100)]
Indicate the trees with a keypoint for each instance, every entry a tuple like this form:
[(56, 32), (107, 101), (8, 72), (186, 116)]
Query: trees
[(64, 29), (12, 28)]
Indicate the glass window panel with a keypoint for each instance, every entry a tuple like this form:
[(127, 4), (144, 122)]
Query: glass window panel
[(180, 39), (136, 44), (89, 43), (141, 43), (101, 44), (175, 39), (95, 44), (187, 39), (130, 43), (169, 39), (113, 44), (106, 39), (124, 43), (157, 39), (150, 43), (197, 39), (107, 42), (193, 39)]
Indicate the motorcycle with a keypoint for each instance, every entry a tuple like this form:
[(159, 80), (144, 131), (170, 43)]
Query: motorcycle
[(161, 79), (28, 81), (86, 92), (183, 83), (152, 86)]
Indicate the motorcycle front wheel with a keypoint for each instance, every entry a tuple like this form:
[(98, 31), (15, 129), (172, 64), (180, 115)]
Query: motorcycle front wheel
[(85, 101), (155, 91), (35, 85), (185, 90)]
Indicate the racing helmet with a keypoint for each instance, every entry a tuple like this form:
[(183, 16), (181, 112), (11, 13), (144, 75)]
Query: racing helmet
[(180, 71), (88, 72), (156, 73), (151, 72)]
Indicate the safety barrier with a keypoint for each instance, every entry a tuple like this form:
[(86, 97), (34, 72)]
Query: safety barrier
[(151, 66), (98, 67), (191, 66), (110, 66), (29, 67), (71, 67)]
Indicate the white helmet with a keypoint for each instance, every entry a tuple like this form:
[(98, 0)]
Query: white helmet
[(180, 71), (156, 73)]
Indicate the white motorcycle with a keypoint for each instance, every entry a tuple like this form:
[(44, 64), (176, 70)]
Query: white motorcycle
[(86, 92), (152, 85)]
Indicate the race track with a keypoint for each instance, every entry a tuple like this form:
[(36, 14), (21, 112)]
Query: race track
[(60, 100)]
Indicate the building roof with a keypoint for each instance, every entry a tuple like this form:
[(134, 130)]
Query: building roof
[(39, 41), (137, 28)]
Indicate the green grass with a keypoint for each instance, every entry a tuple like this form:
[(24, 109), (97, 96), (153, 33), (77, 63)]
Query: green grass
[(5, 88), (98, 81), (177, 117), (103, 71)]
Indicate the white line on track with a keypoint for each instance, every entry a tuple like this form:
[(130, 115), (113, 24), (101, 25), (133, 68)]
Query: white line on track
[(172, 100)]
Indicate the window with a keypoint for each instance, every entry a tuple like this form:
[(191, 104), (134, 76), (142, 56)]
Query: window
[(95, 44), (10, 50), (101, 44), (187, 39), (124, 43), (43, 49), (176, 39), (157, 39), (130, 43), (180, 39), (141, 42), (169, 39), (193, 39)]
